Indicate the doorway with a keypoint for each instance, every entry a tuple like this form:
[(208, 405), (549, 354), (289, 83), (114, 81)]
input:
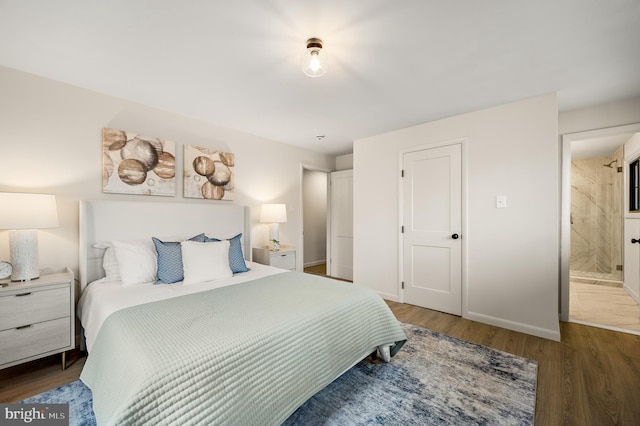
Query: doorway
[(314, 218), (595, 276)]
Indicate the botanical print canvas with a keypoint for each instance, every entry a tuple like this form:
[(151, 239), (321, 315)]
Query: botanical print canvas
[(136, 164), (208, 173)]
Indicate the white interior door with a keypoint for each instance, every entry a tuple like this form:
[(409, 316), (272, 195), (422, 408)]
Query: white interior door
[(341, 234), (432, 221)]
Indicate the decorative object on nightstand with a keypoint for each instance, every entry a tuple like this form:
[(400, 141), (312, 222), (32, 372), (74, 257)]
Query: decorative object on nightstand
[(274, 214), (22, 214), (5, 269), (285, 258), (37, 320)]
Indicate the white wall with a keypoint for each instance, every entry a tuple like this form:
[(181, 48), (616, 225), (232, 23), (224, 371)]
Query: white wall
[(600, 116), (50, 140), (314, 189), (344, 162), (510, 277)]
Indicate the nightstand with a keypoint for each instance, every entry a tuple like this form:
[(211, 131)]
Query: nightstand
[(37, 318), (285, 258)]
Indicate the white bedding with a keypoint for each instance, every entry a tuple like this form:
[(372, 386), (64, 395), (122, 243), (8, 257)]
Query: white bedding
[(99, 300), (216, 357)]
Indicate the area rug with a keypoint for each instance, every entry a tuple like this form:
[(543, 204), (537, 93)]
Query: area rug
[(434, 380)]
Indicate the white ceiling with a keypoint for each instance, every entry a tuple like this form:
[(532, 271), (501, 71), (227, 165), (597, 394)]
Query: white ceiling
[(394, 63)]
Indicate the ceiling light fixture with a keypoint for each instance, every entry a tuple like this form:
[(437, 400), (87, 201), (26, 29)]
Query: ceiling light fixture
[(314, 60)]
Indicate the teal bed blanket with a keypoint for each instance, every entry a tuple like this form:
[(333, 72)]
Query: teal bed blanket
[(246, 354)]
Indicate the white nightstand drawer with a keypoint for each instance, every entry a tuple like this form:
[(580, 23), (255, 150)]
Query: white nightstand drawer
[(19, 343), (37, 318), (283, 260), (30, 306)]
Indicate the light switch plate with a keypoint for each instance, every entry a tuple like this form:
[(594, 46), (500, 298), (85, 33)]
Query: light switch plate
[(501, 201)]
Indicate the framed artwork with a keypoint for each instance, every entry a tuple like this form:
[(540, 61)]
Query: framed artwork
[(208, 173), (136, 164)]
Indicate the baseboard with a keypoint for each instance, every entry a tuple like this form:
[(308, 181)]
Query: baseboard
[(314, 263), (635, 296), (389, 296), (515, 326)]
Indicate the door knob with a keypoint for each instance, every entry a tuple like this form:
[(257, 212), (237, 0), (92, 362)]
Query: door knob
[(456, 236), (634, 241)]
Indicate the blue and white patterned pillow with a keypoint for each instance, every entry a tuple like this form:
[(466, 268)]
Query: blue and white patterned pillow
[(236, 257), (170, 268)]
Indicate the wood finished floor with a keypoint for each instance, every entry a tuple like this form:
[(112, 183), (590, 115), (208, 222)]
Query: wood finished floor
[(317, 270), (592, 377), (31, 378)]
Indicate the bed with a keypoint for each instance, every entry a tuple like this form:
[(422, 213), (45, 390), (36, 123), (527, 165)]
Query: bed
[(246, 346)]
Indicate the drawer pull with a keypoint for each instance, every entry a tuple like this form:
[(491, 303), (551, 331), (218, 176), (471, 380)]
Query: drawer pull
[(23, 294), (23, 326)]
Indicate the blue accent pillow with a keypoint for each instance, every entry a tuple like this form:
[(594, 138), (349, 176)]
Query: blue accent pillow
[(170, 268), (236, 257)]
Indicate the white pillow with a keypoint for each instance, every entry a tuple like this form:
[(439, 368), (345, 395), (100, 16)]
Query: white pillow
[(136, 261), (110, 265), (109, 262), (205, 261)]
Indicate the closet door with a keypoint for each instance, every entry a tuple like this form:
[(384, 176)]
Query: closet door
[(340, 263)]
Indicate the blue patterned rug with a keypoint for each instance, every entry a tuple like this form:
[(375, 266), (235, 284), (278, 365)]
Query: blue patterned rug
[(434, 380)]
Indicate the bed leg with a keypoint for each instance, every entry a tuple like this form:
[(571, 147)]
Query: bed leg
[(385, 352)]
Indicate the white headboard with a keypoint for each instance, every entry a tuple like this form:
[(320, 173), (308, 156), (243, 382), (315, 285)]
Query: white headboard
[(104, 220)]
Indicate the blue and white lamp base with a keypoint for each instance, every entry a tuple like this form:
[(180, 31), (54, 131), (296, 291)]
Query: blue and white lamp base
[(23, 249)]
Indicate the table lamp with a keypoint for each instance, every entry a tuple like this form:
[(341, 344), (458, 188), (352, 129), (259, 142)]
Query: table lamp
[(274, 214), (22, 214)]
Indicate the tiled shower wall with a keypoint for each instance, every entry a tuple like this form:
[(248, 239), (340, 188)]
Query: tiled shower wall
[(596, 217)]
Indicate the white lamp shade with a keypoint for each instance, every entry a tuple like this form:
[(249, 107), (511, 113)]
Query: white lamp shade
[(273, 213), (27, 211)]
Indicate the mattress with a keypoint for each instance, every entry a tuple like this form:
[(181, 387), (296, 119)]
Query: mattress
[(101, 299)]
